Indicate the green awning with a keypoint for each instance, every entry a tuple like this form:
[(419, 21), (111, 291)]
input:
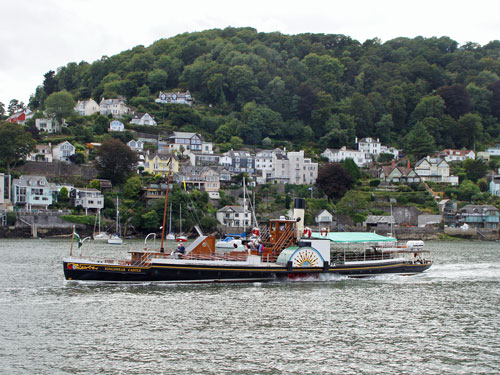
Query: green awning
[(353, 237)]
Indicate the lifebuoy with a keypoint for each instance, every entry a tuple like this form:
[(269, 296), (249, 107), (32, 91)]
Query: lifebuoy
[(255, 231), (324, 231), (307, 232)]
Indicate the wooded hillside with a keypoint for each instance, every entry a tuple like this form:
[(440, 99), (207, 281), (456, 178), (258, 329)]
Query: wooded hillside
[(313, 90)]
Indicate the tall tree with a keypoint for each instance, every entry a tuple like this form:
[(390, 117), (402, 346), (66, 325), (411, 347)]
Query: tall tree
[(16, 144), (334, 180), (49, 83), (60, 104), (456, 99), (115, 160), (419, 142)]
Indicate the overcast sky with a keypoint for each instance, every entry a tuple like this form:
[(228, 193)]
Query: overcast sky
[(39, 35)]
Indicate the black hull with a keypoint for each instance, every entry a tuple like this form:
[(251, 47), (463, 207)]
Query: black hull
[(206, 274)]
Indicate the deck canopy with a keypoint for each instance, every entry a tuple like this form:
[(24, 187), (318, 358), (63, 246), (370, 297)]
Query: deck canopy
[(352, 237)]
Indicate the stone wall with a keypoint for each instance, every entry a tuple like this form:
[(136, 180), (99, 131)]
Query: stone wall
[(58, 169)]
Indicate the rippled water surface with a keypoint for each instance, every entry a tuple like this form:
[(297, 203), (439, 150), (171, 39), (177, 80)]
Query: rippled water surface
[(445, 321)]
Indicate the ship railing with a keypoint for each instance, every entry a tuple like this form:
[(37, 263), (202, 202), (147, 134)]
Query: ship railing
[(265, 258), (410, 256)]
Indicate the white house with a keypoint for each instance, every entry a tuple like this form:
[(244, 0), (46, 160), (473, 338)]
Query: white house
[(63, 151), (116, 126), (41, 153), (451, 155), (175, 98), (373, 147), (49, 125), (188, 141), (143, 119), (336, 156), (137, 146), (31, 192), (234, 216), (495, 185), (89, 199), (87, 107), (435, 169), (323, 218), (114, 107), (494, 151)]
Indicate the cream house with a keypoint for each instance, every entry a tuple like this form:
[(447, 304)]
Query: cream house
[(87, 107), (114, 107), (435, 169), (160, 163)]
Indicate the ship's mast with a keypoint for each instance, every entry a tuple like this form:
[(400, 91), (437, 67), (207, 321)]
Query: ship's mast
[(162, 250)]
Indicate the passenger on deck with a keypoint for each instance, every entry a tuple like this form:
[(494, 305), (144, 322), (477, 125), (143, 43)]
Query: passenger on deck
[(181, 249), (260, 247)]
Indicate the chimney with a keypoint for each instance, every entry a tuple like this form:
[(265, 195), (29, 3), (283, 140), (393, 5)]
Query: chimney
[(298, 214), (409, 166), (393, 163)]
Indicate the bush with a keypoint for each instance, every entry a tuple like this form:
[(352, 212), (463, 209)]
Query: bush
[(79, 219), (375, 182), (11, 218)]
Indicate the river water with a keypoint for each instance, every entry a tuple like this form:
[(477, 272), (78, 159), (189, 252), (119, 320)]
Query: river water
[(445, 321)]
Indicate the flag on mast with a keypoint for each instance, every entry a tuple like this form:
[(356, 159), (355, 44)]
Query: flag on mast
[(77, 238)]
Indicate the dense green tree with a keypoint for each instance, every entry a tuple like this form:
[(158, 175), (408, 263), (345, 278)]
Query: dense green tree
[(334, 180), (351, 167), (63, 195), (475, 169), (115, 160), (49, 83), (132, 187), (456, 99), (16, 144), (419, 142), (471, 129), (60, 105)]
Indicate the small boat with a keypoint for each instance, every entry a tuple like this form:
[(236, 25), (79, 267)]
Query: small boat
[(116, 238), (99, 236), (287, 254), (180, 237), (231, 240), (170, 235)]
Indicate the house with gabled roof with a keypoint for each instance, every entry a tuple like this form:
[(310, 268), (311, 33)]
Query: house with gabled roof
[(234, 216), (115, 107), (398, 174), (175, 98), (42, 153), (159, 163), (32, 192), (20, 117), (451, 155), (361, 158), (435, 169), (143, 119), (479, 216), (63, 151), (201, 178), (137, 146), (87, 107)]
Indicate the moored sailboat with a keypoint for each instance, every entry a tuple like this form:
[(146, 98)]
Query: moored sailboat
[(116, 238), (99, 236)]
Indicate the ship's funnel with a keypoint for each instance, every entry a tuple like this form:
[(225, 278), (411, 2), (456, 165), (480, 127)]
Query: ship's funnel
[(298, 214)]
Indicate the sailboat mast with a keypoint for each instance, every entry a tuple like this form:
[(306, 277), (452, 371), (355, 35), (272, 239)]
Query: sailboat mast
[(170, 221), (180, 219), (166, 202), (244, 207)]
